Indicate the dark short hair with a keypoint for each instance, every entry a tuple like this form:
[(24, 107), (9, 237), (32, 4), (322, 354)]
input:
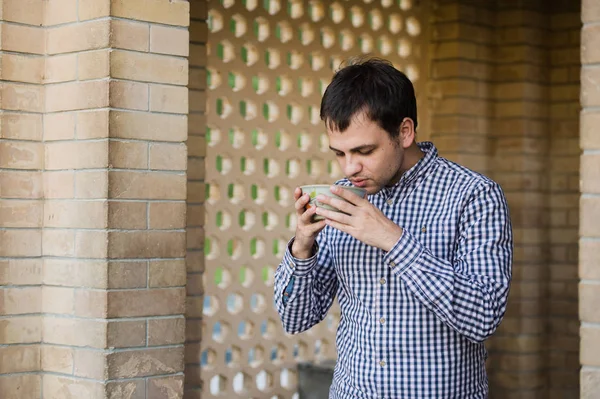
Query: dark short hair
[(374, 86)]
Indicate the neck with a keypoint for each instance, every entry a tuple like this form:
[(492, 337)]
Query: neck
[(412, 155)]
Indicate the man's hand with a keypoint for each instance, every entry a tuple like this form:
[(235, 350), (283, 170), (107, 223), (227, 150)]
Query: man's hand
[(306, 230), (363, 221)]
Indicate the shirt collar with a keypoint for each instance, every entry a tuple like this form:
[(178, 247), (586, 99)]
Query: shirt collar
[(431, 155)]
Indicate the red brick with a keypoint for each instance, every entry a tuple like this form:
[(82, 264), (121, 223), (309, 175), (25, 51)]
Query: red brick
[(75, 332), (129, 95), (127, 274), (92, 9), (148, 126), (20, 213), (20, 243), (168, 156), (77, 95), (127, 334), (78, 37), (22, 68), (161, 11), (65, 387), (130, 35), (19, 97), (167, 40), (128, 154), (19, 358), (26, 12), (167, 273), (145, 362), (20, 271), (21, 126), (168, 331), (75, 272), (22, 38), (127, 215), (153, 302), (20, 330), (93, 64), (21, 386), (160, 387), (149, 67), (146, 185)]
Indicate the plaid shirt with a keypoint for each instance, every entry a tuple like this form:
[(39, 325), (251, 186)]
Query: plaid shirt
[(413, 320)]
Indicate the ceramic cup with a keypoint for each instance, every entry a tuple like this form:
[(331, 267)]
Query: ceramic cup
[(315, 189)]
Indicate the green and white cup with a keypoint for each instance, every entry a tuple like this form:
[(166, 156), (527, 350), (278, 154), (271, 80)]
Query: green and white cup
[(315, 189)]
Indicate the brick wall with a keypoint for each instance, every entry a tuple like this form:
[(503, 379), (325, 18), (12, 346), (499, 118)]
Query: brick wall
[(520, 148), (21, 201), (93, 188), (589, 243), (504, 91), (563, 178), (461, 67), (195, 197)]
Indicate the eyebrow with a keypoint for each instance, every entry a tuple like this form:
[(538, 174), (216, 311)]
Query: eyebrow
[(356, 149)]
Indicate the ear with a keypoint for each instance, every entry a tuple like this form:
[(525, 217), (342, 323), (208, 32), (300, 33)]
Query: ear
[(407, 132)]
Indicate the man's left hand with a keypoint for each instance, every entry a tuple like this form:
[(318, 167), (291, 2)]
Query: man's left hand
[(362, 221)]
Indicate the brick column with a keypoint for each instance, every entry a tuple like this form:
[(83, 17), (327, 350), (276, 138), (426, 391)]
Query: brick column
[(589, 242), (195, 197), (459, 90), (563, 178), (111, 228), (21, 200), (518, 350)]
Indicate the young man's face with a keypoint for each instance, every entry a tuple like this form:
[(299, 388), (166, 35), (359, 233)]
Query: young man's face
[(367, 155)]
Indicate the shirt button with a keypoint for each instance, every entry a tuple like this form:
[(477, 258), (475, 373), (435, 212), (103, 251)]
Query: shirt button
[(423, 229), (291, 265), (390, 201), (382, 363), (382, 320), (393, 264), (382, 281)]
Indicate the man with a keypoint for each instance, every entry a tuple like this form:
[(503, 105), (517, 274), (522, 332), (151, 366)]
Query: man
[(421, 267)]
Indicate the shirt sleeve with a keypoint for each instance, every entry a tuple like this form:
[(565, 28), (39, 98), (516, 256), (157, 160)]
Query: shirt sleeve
[(304, 289), (470, 293)]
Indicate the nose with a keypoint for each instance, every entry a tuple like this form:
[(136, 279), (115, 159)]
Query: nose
[(352, 166)]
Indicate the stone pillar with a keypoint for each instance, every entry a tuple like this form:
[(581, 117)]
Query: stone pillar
[(460, 94), (195, 196), (102, 129), (563, 178), (589, 230), (21, 199), (520, 146)]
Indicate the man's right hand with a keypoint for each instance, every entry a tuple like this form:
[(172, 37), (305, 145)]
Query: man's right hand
[(306, 230)]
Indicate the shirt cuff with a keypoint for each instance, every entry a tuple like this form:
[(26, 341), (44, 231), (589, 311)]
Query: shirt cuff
[(299, 267), (406, 251)]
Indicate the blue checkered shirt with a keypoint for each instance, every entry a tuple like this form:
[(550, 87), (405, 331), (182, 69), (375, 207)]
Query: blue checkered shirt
[(414, 319)]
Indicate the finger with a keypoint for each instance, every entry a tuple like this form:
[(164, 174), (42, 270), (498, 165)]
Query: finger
[(342, 205), (306, 216), (346, 194), (338, 226), (316, 227), (297, 193), (335, 216), (301, 202)]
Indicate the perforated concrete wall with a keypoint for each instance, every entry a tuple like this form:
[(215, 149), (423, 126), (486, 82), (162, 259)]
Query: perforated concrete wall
[(269, 63)]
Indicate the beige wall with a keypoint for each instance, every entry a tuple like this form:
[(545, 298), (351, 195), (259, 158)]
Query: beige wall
[(589, 245), (93, 198), (505, 84), (102, 189)]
